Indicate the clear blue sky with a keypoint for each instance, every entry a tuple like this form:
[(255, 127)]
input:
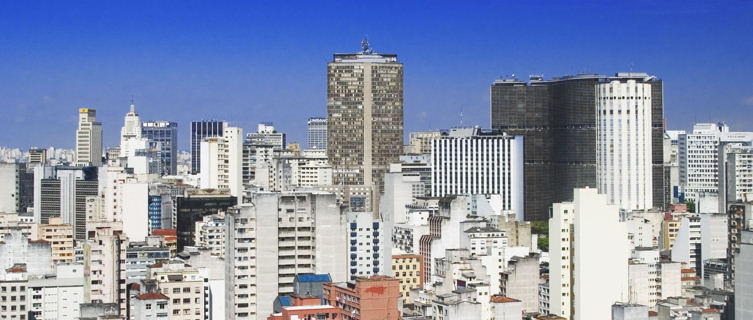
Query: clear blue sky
[(266, 61)]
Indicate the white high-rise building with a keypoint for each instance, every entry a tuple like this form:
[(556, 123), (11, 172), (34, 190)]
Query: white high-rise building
[(131, 130), (221, 162), (275, 236), (589, 254), (88, 139), (469, 161), (699, 155), (623, 139), (735, 174), (367, 253)]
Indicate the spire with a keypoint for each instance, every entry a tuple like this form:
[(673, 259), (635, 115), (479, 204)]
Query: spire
[(132, 106)]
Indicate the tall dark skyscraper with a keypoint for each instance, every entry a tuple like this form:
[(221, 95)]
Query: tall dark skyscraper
[(166, 133), (199, 131), (364, 115), (558, 119)]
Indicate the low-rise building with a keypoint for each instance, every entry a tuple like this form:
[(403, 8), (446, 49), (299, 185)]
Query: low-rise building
[(407, 268), (366, 298), (150, 305)]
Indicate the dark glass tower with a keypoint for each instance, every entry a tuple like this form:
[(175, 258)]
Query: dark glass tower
[(558, 120), (199, 131)]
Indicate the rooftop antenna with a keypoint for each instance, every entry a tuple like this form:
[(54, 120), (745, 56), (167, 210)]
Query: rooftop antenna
[(461, 117), (631, 68), (365, 46), (132, 104)]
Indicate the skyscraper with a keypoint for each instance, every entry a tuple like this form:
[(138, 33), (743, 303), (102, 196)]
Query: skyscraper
[(166, 135), (317, 133), (131, 130), (364, 115), (88, 139), (199, 131), (558, 119)]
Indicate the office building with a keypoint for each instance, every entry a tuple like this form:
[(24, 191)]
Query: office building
[(699, 157), (131, 130), (88, 139), (63, 194), (317, 133), (624, 142), (37, 156), (266, 135), (165, 134), (558, 119), (672, 166), (193, 207), (16, 187), (739, 217), (364, 116), (588, 257), (735, 174), (469, 161), (199, 131), (272, 238)]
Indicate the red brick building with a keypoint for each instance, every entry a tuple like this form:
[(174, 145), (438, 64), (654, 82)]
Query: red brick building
[(365, 299)]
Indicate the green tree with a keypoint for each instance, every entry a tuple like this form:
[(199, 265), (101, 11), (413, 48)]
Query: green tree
[(543, 244)]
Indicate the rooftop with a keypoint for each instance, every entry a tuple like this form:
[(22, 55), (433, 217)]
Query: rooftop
[(310, 277), (152, 296)]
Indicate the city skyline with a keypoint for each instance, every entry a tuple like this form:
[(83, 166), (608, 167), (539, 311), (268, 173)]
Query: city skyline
[(215, 67)]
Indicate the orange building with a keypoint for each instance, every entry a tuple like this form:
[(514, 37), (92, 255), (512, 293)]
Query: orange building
[(365, 299), (170, 237), (308, 312)]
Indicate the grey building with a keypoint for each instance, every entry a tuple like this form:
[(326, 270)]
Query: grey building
[(16, 187), (142, 254), (364, 116), (164, 133), (629, 312), (558, 118), (199, 131), (317, 133), (64, 193)]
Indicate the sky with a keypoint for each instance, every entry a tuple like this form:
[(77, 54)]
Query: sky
[(265, 61)]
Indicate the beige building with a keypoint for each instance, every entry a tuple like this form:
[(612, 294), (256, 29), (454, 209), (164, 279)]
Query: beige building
[(407, 268), (183, 285), (420, 142), (669, 232), (364, 115), (10, 222), (88, 139), (60, 237)]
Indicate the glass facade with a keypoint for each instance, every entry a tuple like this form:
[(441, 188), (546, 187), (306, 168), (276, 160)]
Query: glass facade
[(199, 131), (166, 135)]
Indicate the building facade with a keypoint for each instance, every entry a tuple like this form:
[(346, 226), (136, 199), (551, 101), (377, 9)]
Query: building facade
[(317, 133), (272, 238), (364, 115), (469, 161), (199, 131), (165, 134), (558, 119), (88, 139)]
